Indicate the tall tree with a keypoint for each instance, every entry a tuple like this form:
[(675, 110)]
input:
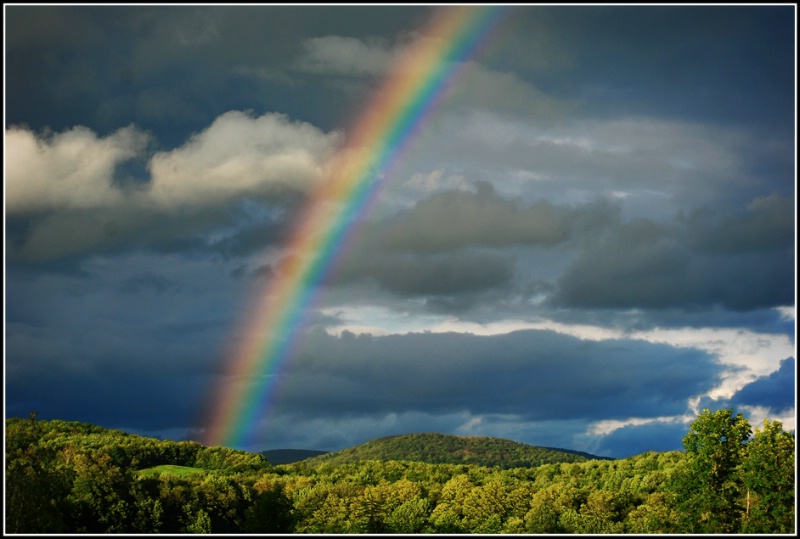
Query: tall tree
[(709, 490), (768, 469)]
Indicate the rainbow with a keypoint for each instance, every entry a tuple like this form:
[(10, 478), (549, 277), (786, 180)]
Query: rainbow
[(409, 96)]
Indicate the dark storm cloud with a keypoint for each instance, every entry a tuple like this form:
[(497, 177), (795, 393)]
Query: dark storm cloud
[(766, 225), (452, 248), (126, 305), (174, 69), (535, 375), (666, 61), (125, 339), (775, 392), (108, 64), (48, 237), (461, 273), (116, 393), (151, 386), (706, 258), (739, 261), (148, 280)]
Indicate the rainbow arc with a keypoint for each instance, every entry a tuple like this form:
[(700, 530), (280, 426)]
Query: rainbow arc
[(355, 176)]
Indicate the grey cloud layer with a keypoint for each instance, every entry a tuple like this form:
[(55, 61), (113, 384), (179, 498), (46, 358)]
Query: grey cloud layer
[(535, 375), (348, 56), (741, 261), (456, 219), (657, 166), (461, 273), (176, 69)]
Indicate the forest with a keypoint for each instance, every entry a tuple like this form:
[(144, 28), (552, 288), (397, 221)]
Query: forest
[(73, 477)]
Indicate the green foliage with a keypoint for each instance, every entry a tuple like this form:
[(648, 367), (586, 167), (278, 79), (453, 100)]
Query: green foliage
[(230, 460), (655, 515), (36, 484), (196, 522), (411, 516), (148, 514), (708, 491), (768, 475), (271, 510), (100, 494), (68, 477)]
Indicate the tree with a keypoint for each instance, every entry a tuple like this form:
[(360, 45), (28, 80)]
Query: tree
[(542, 519), (410, 517), (603, 512), (485, 507), (100, 494), (196, 522), (655, 515), (270, 510), (549, 504), (709, 490), (35, 492), (372, 508), (447, 516), (148, 515), (768, 470)]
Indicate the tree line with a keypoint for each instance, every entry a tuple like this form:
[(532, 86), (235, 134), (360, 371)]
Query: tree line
[(71, 477)]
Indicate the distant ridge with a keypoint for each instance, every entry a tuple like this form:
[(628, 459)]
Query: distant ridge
[(287, 456), (436, 448)]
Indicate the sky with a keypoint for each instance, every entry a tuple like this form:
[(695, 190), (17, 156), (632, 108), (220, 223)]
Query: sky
[(590, 240)]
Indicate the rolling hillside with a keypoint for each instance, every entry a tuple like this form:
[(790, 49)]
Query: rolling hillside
[(447, 449), (67, 477)]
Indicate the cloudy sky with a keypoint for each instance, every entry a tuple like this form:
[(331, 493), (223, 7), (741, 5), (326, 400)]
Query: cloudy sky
[(591, 240)]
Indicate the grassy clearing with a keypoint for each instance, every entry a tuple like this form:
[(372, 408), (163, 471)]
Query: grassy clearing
[(180, 471)]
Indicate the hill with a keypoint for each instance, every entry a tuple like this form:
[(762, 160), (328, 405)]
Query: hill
[(436, 448), (287, 456)]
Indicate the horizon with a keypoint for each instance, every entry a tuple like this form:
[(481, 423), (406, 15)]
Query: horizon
[(398, 435)]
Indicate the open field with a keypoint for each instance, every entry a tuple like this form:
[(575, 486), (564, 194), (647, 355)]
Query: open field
[(180, 471)]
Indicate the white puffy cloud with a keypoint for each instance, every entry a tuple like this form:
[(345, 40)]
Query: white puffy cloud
[(63, 187), (238, 154), (73, 169), (241, 155)]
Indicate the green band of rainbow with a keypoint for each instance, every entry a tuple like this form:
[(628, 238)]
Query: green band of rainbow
[(405, 101)]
